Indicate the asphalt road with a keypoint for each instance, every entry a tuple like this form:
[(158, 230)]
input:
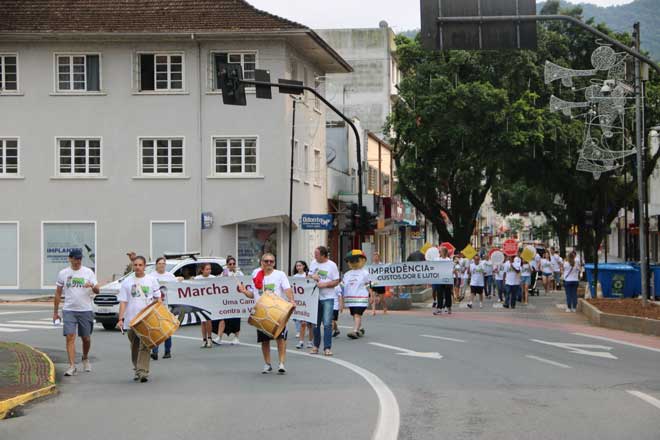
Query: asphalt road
[(479, 374)]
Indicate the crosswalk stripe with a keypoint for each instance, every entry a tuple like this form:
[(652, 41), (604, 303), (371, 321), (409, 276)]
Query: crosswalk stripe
[(12, 330), (32, 322), (21, 312), (43, 327)]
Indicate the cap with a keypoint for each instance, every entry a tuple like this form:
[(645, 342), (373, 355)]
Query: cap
[(356, 253), (76, 254)]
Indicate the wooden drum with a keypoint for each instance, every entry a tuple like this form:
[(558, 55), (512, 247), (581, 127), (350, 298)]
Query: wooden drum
[(271, 314), (154, 324)]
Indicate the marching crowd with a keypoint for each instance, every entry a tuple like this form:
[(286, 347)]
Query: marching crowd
[(511, 280), (475, 279)]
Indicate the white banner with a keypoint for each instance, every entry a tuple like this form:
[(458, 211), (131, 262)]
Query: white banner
[(219, 298), (412, 273)]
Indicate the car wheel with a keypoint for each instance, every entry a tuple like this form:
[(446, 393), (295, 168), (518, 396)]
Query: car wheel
[(109, 325)]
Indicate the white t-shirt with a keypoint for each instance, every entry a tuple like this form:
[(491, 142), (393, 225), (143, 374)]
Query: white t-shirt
[(526, 270), (498, 270), (512, 274), (546, 266), (537, 263), (202, 277), (137, 293), (477, 272), (76, 297), (338, 292), (328, 272), (571, 273), (488, 268), (556, 262), (355, 284), (465, 264), (277, 282), (229, 273), (163, 278)]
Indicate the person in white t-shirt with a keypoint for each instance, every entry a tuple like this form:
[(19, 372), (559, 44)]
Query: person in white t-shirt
[(267, 278), (546, 272), (525, 280), (557, 264), (326, 275), (465, 277), (230, 325), (78, 284), (162, 276), (512, 269), (571, 281), (357, 290), (337, 308), (136, 293), (488, 276), (301, 271), (476, 271), (498, 273), (207, 325), (445, 291)]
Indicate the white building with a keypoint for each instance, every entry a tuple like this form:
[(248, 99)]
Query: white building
[(114, 136)]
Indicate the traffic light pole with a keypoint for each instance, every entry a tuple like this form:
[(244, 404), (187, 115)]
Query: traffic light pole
[(302, 88), (639, 58)]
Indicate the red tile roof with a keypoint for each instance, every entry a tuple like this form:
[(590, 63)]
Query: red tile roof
[(142, 16)]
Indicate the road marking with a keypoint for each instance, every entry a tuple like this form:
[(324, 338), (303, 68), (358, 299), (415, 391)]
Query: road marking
[(406, 352), (42, 327), (345, 326), (18, 312), (41, 323), (580, 348), (498, 306), (389, 417), (442, 338), (645, 397), (548, 361), (11, 330), (616, 341)]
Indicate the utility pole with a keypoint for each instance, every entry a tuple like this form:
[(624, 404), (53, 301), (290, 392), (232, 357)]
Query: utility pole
[(643, 251), (293, 143)]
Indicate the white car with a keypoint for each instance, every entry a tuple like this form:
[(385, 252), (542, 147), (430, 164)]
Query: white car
[(106, 305)]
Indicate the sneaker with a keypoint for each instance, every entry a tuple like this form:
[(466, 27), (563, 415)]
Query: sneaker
[(235, 341), (435, 304), (567, 310), (300, 345), (205, 344), (361, 332), (336, 333), (573, 310), (72, 371), (136, 377), (87, 366), (481, 305), (437, 312), (310, 344), (352, 335), (281, 369), (297, 334), (449, 311), (144, 379), (167, 355), (154, 356), (469, 305), (267, 369)]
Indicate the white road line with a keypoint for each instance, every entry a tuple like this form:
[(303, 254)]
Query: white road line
[(645, 397), (548, 361), (630, 344), (345, 326), (411, 353), (389, 417), (42, 323), (11, 330), (442, 338), (581, 348), (42, 327), (19, 312)]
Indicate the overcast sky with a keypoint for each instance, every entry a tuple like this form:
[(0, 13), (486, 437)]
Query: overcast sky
[(400, 14)]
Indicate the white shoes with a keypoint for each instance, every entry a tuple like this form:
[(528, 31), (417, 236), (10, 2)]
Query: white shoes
[(267, 369), (235, 340), (72, 371), (281, 369), (87, 366), (300, 345), (310, 344)]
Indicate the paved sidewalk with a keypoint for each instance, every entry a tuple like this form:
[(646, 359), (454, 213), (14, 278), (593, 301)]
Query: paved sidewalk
[(25, 374)]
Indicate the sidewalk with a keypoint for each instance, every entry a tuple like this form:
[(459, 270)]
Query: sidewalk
[(26, 374), (25, 297)]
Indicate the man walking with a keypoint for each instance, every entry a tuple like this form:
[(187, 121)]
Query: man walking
[(512, 281), (326, 275), (78, 284), (136, 293)]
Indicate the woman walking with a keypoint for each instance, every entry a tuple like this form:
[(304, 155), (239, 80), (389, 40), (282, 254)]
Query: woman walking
[(231, 325), (571, 280), (162, 276), (525, 280), (301, 270), (546, 272), (207, 326), (445, 290)]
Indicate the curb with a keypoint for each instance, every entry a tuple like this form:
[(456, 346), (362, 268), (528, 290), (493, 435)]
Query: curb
[(619, 322), (7, 405)]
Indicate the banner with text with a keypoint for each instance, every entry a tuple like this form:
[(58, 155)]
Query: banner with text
[(219, 298), (412, 273)]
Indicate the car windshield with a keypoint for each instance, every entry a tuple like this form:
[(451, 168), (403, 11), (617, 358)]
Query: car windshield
[(149, 268)]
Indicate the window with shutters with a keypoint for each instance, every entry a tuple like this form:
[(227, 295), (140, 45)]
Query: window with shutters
[(160, 72), (8, 73), (77, 73), (246, 59)]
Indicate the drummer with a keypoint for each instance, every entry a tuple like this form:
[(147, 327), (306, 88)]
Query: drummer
[(136, 293), (276, 281)]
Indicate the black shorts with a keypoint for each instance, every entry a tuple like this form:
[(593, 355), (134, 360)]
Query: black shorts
[(357, 310), (477, 289), (335, 315), (379, 290), (232, 325), (263, 337), (457, 282)]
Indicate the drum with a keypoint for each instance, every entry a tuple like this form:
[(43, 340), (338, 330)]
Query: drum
[(154, 324), (270, 314)]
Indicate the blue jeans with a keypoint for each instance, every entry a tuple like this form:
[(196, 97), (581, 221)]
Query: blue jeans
[(500, 289), (571, 294), (325, 317), (488, 284), (512, 292), (168, 346)]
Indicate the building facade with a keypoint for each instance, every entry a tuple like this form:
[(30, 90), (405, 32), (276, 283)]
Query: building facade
[(116, 139)]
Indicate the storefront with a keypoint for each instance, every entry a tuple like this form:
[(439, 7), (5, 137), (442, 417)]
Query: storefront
[(57, 240)]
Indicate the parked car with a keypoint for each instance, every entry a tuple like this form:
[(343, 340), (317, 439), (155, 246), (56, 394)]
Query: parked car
[(106, 305)]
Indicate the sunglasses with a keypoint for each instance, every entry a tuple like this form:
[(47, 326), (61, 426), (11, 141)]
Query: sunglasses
[(268, 261), (231, 264)]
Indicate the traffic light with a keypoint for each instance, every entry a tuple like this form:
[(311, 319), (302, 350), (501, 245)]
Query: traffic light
[(368, 221), (229, 80), (353, 218)]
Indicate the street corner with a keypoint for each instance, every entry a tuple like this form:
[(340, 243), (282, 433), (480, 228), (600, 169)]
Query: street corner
[(26, 374)]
